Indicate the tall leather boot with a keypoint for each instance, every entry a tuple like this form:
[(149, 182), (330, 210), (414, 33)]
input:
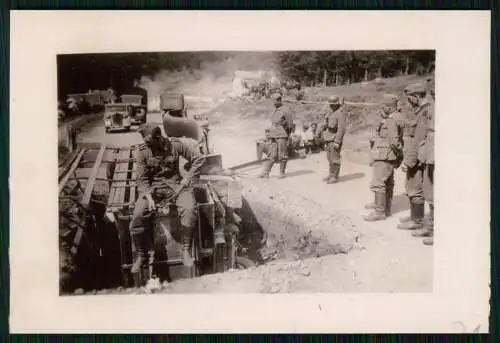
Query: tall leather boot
[(417, 216), (187, 251), (268, 165), (282, 169), (427, 230), (408, 218), (371, 205), (330, 172), (388, 202), (335, 173), (379, 213), (430, 239)]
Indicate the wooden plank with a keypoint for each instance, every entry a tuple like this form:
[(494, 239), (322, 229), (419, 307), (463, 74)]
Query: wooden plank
[(69, 172), (112, 190), (92, 179), (117, 194), (133, 185)]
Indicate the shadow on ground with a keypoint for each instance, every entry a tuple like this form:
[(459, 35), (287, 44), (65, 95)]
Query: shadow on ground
[(299, 173), (400, 203), (350, 177)]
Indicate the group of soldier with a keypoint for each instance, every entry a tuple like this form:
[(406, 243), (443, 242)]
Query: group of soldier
[(400, 138)]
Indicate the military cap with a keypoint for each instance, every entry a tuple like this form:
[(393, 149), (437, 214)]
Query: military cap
[(149, 129), (415, 88), (276, 96), (390, 100), (334, 99), (305, 126)]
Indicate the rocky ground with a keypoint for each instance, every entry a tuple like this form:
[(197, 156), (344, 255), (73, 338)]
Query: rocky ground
[(316, 229)]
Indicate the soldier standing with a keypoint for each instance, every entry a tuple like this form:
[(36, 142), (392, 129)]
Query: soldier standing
[(333, 131), (426, 157), (279, 132), (158, 178), (385, 157), (416, 94)]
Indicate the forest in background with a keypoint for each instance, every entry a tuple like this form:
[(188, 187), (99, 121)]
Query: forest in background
[(81, 72)]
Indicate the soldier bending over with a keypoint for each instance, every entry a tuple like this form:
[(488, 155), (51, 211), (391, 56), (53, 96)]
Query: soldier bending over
[(158, 178)]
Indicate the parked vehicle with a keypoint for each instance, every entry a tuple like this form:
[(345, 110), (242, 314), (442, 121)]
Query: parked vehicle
[(137, 99), (117, 117)]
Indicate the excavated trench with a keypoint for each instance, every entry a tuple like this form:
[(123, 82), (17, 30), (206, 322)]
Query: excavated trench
[(297, 228)]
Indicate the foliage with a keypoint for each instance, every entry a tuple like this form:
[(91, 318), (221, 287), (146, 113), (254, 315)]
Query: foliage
[(333, 68)]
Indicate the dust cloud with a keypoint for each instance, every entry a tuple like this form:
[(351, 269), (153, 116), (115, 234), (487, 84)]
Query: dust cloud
[(212, 79)]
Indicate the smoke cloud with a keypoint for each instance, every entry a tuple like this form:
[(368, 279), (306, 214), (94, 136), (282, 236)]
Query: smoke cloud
[(212, 79)]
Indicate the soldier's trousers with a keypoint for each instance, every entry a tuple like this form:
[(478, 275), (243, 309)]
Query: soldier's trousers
[(414, 184), (429, 183), (186, 207), (382, 177), (279, 149), (332, 154)]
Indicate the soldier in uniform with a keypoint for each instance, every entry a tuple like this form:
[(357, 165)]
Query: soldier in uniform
[(333, 131), (279, 132), (416, 94), (385, 157), (158, 178), (426, 157)]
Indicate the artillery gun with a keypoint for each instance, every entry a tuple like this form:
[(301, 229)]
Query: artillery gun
[(99, 241)]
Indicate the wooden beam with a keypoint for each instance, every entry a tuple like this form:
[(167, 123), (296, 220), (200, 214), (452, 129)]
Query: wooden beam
[(89, 187), (66, 175)]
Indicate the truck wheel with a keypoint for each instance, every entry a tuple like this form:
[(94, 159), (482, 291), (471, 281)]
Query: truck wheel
[(243, 263)]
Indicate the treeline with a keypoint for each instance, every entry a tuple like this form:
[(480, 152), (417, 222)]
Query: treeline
[(333, 68), (80, 72)]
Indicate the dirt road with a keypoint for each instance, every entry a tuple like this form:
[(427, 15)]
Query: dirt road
[(385, 259)]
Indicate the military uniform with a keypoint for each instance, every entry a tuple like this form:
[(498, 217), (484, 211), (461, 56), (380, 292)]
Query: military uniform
[(279, 132), (385, 156), (426, 157), (333, 131), (414, 169), (158, 175)]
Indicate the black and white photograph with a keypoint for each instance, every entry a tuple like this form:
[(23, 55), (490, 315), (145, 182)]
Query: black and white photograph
[(220, 175), (221, 171)]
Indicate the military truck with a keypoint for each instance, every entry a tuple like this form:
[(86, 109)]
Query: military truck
[(117, 117), (137, 98)]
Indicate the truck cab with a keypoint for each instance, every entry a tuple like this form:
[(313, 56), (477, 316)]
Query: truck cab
[(138, 108), (117, 117)]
